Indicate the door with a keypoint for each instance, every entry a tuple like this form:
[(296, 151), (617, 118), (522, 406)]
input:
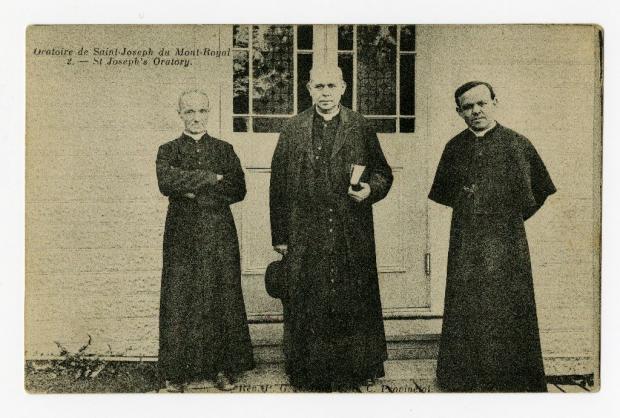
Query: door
[(268, 69)]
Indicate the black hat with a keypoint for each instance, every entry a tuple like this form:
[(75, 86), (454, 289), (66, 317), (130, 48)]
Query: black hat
[(275, 279)]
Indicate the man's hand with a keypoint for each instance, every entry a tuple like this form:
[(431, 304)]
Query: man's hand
[(282, 248), (219, 177), (361, 194)]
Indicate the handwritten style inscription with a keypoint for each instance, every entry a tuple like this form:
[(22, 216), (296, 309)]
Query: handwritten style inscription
[(130, 57)]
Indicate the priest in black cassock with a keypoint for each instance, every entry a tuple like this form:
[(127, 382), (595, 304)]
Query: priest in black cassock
[(494, 180), (203, 329), (334, 334)]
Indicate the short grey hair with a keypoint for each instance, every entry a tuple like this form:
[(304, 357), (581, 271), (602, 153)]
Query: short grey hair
[(196, 91), (326, 69)]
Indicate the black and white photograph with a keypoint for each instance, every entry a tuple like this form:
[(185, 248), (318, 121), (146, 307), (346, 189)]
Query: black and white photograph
[(313, 208)]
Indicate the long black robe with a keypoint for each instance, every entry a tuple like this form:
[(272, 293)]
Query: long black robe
[(490, 339), (203, 324), (334, 332)]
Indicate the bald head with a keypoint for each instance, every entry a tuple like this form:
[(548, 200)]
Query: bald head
[(329, 71)]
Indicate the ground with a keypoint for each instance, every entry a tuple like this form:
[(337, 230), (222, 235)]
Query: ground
[(402, 376)]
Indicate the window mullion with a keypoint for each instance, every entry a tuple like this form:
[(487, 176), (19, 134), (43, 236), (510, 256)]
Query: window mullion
[(397, 86), (295, 75), (251, 79), (354, 87)]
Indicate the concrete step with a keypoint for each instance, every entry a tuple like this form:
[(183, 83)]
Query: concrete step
[(397, 350)]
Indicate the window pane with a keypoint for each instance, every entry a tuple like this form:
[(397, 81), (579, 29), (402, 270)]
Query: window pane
[(407, 125), (241, 82), (272, 75), (268, 124), (345, 38), (407, 38), (383, 125), (304, 64), (345, 62), (240, 36), (407, 84), (304, 37), (240, 124), (376, 70)]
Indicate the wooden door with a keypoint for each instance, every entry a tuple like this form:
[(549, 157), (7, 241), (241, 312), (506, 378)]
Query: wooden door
[(264, 85)]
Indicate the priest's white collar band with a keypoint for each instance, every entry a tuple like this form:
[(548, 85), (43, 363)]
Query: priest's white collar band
[(480, 134), (196, 137), (328, 116)]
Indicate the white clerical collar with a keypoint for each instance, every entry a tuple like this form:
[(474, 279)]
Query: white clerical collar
[(328, 116), (196, 137), (480, 134)]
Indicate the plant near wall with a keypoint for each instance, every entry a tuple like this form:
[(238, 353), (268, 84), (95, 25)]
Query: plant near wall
[(80, 364), (83, 372)]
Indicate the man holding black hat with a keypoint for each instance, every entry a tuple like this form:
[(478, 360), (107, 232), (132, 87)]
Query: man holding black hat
[(335, 338)]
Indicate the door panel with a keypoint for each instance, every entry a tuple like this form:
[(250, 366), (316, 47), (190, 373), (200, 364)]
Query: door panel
[(400, 219)]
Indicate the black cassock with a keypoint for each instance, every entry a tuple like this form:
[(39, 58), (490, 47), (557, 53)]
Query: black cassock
[(333, 325), (203, 324), (490, 339)]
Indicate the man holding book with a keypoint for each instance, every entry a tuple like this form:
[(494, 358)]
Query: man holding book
[(327, 171)]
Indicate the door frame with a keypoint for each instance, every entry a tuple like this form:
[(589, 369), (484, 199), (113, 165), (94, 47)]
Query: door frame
[(264, 144)]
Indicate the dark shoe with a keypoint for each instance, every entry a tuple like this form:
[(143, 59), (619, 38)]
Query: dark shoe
[(222, 382), (174, 387)]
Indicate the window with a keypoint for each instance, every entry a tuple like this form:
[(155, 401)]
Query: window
[(378, 64), (271, 64)]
